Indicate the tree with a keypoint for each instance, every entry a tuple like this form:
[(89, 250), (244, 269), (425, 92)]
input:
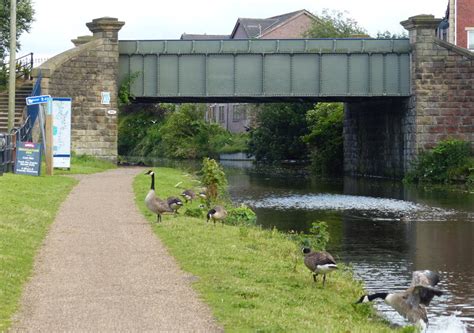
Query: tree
[(334, 24), (24, 18), (279, 132), (388, 35), (325, 138)]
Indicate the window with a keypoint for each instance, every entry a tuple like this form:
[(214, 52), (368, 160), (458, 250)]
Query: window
[(221, 114), (470, 38), (211, 117), (240, 113)]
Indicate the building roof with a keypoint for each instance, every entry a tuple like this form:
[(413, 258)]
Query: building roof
[(254, 28), (186, 36)]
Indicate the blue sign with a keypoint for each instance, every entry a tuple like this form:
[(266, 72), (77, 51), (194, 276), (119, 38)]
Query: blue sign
[(32, 100), (28, 159)]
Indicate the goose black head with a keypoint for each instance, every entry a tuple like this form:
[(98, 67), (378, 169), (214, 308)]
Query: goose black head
[(149, 172), (363, 299), (306, 250)]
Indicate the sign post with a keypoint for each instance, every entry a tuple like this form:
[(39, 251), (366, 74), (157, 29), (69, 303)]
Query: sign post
[(48, 134), (49, 138)]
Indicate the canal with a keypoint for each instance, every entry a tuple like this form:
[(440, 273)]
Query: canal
[(381, 228)]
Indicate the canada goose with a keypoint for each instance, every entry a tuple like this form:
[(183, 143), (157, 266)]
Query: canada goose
[(154, 203), (411, 302), (217, 213), (320, 262), (174, 203), (188, 195)]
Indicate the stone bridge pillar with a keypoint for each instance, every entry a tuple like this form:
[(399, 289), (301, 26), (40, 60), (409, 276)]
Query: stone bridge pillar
[(84, 73), (442, 80)]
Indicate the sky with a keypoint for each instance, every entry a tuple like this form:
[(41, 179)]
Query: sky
[(59, 21)]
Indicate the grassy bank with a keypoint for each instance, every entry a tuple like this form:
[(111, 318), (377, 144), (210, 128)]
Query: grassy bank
[(253, 279), (28, 206)]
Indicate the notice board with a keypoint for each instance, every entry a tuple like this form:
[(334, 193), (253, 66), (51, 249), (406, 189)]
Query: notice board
[(28, 158), (61, 112)]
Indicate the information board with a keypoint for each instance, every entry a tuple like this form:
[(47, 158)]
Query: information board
[(28, 158), (61, 111)]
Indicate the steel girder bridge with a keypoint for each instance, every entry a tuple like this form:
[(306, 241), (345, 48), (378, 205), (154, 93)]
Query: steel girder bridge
[(265, 70)]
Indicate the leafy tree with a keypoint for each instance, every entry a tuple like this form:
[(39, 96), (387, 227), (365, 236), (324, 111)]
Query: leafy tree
[(279, 132), (334, 24), (325, 139), (24, 18), (185, 134)]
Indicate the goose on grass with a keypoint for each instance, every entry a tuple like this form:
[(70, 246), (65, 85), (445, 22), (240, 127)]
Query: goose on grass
[(153, 202), (319, 262)]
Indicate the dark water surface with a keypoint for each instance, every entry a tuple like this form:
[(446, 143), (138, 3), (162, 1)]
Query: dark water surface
[(384, 229)]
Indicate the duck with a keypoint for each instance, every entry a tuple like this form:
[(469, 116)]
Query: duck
[(153, 202), (319, 262), (188, 195), (174, 203), (411, 303), (217, 213)]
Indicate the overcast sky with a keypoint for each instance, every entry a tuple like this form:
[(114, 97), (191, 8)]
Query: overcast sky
[(59, 21)]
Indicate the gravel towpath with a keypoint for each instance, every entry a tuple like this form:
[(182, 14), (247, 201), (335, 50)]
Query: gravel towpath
[(101, 269)]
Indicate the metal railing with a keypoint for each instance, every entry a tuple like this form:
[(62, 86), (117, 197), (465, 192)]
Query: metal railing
[(24, 66), (9, 142)]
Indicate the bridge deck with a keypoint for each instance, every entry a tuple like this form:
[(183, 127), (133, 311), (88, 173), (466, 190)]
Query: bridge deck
[(263, 70)]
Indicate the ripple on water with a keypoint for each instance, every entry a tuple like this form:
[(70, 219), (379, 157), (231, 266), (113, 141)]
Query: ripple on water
[(383, 208)]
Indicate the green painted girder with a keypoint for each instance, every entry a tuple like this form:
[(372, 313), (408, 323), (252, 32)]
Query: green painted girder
[(210, 70)]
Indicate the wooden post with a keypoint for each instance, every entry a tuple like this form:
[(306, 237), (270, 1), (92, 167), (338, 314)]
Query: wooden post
[(49, 138)]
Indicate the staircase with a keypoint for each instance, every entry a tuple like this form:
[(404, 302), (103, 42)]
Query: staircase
[(23, 90)]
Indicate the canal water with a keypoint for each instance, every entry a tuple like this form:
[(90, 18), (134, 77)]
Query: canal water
[(383, 229)]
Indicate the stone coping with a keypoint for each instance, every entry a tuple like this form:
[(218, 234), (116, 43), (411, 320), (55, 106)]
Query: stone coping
[(459, 50), (48, 67)]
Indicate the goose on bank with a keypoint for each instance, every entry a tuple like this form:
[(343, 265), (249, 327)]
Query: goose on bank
[(174, 203), (217, 213), (154, 203), (188, 195), (319, 262), (411, 302)]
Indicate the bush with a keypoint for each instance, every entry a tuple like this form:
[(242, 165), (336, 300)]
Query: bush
[(241, 215), (449, 161), (213, 178), (316, 239)]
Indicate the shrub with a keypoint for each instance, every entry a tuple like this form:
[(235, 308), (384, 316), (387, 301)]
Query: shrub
[(317, 237), (213, 178), (241, 215), (447, 162)]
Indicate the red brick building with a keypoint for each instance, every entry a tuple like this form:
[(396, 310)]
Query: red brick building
[(458, 24)]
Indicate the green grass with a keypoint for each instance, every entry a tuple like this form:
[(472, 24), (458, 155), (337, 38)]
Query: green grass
[(84, 164), (28, 206), (254, 279)]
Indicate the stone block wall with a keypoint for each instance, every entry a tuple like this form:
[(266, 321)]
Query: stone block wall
[(374, 137), (442, 87), (83, 73)]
